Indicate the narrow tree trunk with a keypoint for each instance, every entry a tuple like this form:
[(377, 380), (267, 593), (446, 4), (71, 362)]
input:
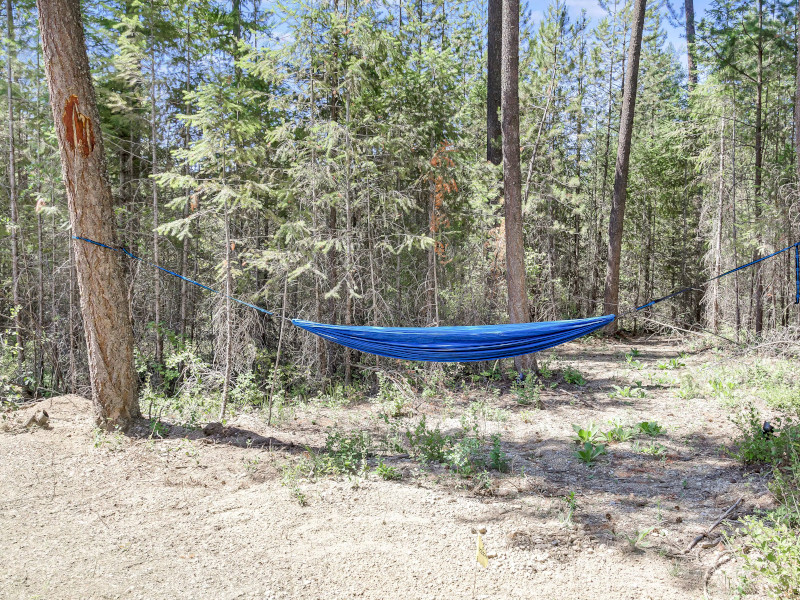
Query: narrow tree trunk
[(797, 105), (518, 310), (690, 44), (12, 193), (718, 230), (759, 149), (154, 170), (226, 384), (186, 206), (494, 53), (616, 220), (106, 320)]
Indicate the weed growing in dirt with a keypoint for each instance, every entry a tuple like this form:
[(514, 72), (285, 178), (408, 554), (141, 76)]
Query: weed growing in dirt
[(291, 474), (636, 541), (631, 359), (652, 448), (528, 392), (498, 459), (618, 433), (429, 444), (651, 428), (251, 465), (570, 505), (688, 388), (635, 391), (464, 457), (721, 388), (113, 441), (588, 434), (528, 416), (348, 453), (573, 376), (590, 452), (757, 446), (387, 472), (672, 363)]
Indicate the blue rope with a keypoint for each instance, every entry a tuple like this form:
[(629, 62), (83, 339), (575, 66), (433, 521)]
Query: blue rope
[(796, 247), (160, 268)]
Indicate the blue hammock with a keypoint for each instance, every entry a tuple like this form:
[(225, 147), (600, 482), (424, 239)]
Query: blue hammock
[(456, 344), (460, 344)]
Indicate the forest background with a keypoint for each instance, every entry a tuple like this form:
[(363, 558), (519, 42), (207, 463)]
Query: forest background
[(340, 147)]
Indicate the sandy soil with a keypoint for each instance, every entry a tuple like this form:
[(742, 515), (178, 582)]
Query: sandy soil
[(84, 515)]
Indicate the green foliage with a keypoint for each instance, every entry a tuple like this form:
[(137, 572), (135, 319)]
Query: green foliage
[(673, 363), (618, 433), (590, 452), (754, 446), (570, 506), (464, 457), (429, 444), (498, 460), (347, 453), (650, 428), (573, 376), (387, 472), (588, 434), (528, 392), (628, 391)]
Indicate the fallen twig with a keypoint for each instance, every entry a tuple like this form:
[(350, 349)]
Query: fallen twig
[(705, 534)]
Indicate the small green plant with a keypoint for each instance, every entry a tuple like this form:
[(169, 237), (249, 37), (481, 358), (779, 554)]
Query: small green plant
[(464, 457), (590, 452), (498, 459), (528, 392), (251, 465), (571, 505), (618, 433), (628, 392), (630, 358), (651, 448), (672, 363), (721, 388), (387, 472), (429, 444), (528, 416), (755, 446), (651, 428), (636, 541), (573, 376), (347, 453), (158, 429), (588, 434)]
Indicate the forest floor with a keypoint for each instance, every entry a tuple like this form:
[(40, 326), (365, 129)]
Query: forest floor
[(168, 512)]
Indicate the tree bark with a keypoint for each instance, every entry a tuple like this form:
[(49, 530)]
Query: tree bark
[(106, 320), (518, 310), (759, 160), (615, 223), (797, 104), (494, 53), (12, 194), (154, 171)]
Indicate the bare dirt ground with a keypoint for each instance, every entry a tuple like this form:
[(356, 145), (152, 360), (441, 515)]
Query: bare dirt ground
[(91, 515)]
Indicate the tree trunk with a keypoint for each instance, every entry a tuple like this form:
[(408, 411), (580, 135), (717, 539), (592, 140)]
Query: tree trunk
[(759, 149), (156, 272), (615, 223), (690, 47), (494, 53), (12, 194), (106, 320), (518, 311), (797, 104)]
